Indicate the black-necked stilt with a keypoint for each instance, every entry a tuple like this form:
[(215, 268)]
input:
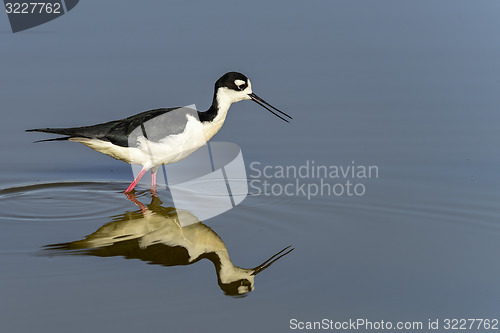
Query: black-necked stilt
[(156, 236), (176, 141)]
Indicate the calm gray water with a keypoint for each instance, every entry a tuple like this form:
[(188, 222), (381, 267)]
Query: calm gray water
[(408, 87)]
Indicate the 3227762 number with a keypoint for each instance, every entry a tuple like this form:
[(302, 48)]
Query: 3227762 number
[(468, 324), (33, 8)]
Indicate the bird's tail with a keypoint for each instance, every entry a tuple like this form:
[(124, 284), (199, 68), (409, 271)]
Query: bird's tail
[(62, 131), (55, 139)]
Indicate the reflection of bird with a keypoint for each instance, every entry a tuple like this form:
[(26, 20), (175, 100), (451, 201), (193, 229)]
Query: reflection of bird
[(179, 132), (155, 235)]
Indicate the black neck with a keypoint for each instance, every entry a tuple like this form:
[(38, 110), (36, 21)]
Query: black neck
[(211, 113), (215, 259)]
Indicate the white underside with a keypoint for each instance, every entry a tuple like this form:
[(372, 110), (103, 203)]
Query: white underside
[(170, 149)]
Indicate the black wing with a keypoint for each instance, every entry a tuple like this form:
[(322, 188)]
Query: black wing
[(154, 124)]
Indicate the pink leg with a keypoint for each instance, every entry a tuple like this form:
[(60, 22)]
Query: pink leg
[(136, 180), (132, 198), (153, 181)]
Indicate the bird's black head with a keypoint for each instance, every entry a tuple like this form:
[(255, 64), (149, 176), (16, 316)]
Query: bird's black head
[(233, 87), (237, 288), (233, 81)]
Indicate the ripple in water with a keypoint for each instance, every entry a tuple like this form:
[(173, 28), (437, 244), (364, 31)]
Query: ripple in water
[(67, 201)]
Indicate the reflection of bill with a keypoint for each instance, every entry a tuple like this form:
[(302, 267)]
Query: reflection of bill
[(206, 179)]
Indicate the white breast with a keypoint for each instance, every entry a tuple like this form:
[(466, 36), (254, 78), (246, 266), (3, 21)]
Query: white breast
[(170, 149)]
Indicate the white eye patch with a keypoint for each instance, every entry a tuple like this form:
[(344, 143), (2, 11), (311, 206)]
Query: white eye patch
[(239, 82)]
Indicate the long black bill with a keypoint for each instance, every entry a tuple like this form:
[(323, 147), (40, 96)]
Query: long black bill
[(271, 260), (263, 103)]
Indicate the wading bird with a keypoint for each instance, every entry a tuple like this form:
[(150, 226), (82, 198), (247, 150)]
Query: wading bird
[(173, 133)]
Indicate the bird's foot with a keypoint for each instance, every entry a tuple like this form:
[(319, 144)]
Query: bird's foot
[(131, 196)]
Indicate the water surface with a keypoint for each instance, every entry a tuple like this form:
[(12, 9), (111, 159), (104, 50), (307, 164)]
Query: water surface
[(412, 89)]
